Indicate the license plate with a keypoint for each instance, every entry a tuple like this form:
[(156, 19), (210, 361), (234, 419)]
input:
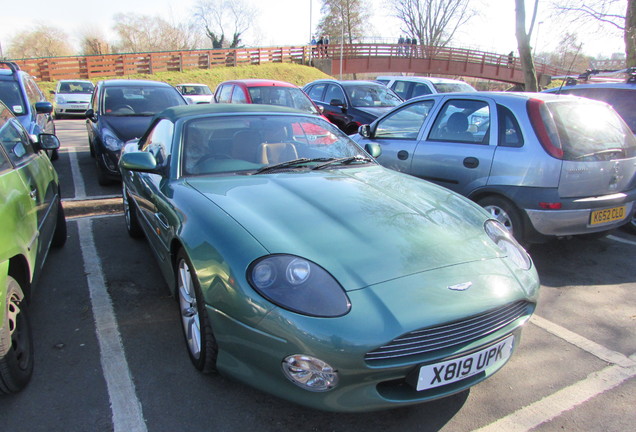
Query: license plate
[(598, 217), (449, 371)]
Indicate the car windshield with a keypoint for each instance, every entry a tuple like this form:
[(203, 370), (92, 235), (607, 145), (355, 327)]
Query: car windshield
[(75, 87), (195, 90), (140, 100), (371, 95), (292, 97), (11, 95), (453, 87), (247, 143), (589, 131)]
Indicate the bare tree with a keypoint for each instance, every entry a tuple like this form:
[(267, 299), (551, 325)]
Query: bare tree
[(93, 42), (433, 22), (43, 41), (343, 18), (140, 33), (617, 14), (523, 45), (218, 16)]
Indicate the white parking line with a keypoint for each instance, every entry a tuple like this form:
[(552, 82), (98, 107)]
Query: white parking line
[(550, 407), (597, 383), (78, 182), (127, 414), (622, 240)]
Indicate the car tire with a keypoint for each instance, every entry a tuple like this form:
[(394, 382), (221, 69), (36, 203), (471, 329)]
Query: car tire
[(59, 235), (102, 177), (197, 331), (131, 216), (505, 212), (16, 341)]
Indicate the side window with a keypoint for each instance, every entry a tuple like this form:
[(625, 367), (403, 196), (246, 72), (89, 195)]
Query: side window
[(238, 95), (225, 93), (334, 92), (509, 131), (159, 141), (33, 92), (421, 89), (95, 100), (16, 142), (460, 120), (316, 91), (401, 88), (405, 123)]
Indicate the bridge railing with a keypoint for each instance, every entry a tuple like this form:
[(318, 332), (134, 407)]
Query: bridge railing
[(86, 67)]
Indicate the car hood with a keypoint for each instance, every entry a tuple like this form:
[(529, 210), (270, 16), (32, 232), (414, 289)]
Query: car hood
[(126, 127), (363, 225)]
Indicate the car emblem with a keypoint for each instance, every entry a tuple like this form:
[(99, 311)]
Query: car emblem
[(460, 287)]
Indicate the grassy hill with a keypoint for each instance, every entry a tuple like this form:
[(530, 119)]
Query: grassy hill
[(293, 73)]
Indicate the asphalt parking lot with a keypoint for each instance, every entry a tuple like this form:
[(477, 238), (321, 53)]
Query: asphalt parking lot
[(110, 355)]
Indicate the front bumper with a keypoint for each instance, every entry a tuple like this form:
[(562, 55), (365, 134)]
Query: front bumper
[(71, 109), (254, 355)]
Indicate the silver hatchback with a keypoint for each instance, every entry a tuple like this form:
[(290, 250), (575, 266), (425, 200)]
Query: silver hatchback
[(544, 165)]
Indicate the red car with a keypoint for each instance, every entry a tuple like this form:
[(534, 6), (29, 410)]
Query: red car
[(268, 92)]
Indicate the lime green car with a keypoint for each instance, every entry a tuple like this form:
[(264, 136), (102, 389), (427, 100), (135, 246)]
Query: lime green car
[(303, 268), (32, 219)]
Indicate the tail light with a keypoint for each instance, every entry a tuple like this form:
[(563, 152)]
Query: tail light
[(541, 120)]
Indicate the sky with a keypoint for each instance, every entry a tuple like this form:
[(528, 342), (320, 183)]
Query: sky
[(289, 22)]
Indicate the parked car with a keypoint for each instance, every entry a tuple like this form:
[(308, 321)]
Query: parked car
[(121, 110), (349, 104), (408, 87), (544, 165), (32, 219), (621, 96), (267, 92), (72, 98), (195, 93), (301, 266), (19, 92)]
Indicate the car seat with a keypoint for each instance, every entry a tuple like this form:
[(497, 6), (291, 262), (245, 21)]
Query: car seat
[(457, 128)]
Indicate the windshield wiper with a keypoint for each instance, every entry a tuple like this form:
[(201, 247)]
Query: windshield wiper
[(344, 161), (289, 164)]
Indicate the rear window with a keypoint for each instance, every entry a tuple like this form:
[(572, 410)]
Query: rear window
[(453, 87), (622, 100), (11, 95), (588, 131)]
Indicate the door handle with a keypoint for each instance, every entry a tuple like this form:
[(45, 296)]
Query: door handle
[(471, 162)]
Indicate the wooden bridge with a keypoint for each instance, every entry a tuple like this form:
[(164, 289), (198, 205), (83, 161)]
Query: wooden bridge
[(332, 59)]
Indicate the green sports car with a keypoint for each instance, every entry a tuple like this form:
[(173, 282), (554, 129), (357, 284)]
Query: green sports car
[(32, 219), (305, 269)]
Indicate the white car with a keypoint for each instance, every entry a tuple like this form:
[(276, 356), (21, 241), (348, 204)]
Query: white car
[(408, 87), (72, 98), (195, 93)]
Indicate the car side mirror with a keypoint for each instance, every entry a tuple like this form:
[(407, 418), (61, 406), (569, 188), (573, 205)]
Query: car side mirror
[(373, 149), (338, 102), (48, 141), (90, 114), (43, 107), (365, 131), (139, 161), (52, 92)]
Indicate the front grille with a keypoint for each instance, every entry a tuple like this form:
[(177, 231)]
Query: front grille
[(451, 334)]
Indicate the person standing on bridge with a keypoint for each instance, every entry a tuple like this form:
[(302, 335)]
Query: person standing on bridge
[(326, 46), (511, 59), (319, 45), (414, 47), (407, 46), (400, 45)]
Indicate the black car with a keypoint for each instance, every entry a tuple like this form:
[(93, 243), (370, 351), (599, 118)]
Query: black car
[(21, 94), (349, 104), (121, 110)]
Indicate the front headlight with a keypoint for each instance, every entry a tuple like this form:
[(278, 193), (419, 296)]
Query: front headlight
[(111, 142), (507, 243), (298, 285), (59, 99)]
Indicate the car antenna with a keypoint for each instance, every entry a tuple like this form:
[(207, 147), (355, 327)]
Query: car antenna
[(566, 80)]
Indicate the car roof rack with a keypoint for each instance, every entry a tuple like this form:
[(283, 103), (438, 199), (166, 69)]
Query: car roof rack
[(12, 65)]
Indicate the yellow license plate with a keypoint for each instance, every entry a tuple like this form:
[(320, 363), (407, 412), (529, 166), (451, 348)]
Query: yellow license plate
[(598, 217)]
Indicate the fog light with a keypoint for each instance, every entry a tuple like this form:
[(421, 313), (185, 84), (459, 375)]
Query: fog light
[(310, 373)]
